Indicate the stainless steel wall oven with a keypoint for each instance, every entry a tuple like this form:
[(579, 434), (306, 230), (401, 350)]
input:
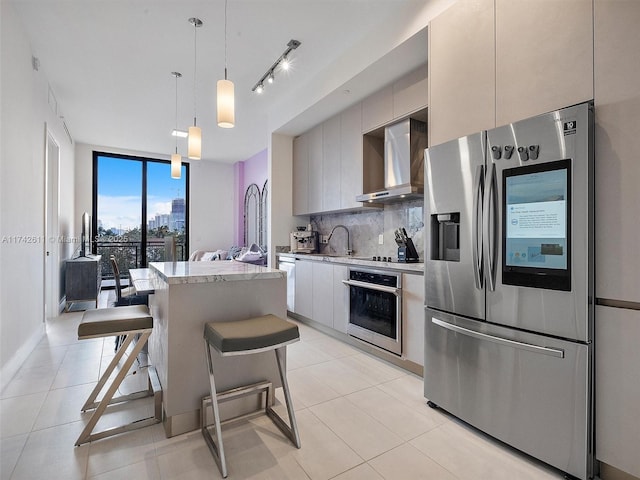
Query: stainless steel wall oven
[(375, 308)]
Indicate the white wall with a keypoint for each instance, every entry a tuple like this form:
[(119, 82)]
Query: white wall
[(211, 189), (213, 220), (25, 113)]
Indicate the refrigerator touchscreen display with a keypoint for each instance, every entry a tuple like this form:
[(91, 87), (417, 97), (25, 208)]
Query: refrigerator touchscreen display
[(536, 210)]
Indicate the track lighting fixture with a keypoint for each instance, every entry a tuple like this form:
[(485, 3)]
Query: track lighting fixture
[(283, 62)]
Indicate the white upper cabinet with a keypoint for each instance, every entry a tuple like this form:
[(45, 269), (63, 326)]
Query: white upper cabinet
[(377, 109), (351, 157), (492, 62), (411, 93), (300, 187), (461, 71), (331, 164), (315, 169), (544, 56), (328, 166), (397, 100), (617, 143)]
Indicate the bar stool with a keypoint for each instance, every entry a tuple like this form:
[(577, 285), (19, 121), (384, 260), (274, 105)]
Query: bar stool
[(126, 321), (245, 337)]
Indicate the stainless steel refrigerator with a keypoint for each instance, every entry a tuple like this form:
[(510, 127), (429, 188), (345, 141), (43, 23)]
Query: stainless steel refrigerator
[(509, 291)]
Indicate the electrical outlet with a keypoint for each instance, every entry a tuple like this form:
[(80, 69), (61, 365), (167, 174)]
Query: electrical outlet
[(324, 239), (381, 239)]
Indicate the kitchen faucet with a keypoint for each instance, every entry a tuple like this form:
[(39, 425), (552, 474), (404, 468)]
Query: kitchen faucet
[(349, 251)]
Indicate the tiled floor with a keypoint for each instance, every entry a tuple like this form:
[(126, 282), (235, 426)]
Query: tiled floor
[(359, 418)]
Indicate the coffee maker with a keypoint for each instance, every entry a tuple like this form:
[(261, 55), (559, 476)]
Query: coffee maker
[(305, 241)]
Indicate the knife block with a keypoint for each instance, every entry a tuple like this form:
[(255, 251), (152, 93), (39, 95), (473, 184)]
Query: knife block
[(408, 253)]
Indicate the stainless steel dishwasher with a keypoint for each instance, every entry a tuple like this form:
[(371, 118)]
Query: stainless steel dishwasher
[(288, 264)]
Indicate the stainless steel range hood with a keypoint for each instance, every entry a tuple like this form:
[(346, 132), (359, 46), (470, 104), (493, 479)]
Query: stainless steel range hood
[(404, 144)]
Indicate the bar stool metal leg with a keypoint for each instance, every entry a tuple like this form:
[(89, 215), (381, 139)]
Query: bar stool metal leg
[(248, 337), (216, 450), (91, 403), (290, 430), (86, 435)]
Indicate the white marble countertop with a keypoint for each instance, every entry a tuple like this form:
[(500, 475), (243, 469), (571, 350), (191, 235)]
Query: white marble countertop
[(417, 268), (215, 271)]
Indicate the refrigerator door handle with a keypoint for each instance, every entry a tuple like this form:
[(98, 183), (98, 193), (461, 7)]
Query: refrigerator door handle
[(490, 223), (478, 195), (553, 352)]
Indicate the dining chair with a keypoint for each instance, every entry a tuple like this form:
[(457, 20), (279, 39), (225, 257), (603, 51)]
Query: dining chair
[(124, 296)]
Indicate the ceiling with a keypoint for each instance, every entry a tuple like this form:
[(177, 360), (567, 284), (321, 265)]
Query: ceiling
[(109, 64)]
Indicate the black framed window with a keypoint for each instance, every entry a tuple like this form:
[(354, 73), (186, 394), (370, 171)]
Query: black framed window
[(136, 204)]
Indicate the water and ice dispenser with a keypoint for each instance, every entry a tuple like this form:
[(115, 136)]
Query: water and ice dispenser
[(445, 236)]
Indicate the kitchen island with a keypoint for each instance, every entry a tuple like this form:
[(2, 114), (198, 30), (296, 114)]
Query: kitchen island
[(189, 294)]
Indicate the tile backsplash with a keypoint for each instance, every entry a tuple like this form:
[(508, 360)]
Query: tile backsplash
[(366, 226)]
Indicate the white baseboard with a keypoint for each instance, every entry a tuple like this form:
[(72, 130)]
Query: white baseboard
[(9, 369)]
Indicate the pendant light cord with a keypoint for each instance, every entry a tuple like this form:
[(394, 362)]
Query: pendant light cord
[(225, 39), (195, 68), (176, 113)]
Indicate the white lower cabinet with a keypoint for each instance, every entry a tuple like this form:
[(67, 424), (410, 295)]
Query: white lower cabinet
[(340, 298), (304, 287), (618, 388), (322, 294), (413, 317), (322, 297)]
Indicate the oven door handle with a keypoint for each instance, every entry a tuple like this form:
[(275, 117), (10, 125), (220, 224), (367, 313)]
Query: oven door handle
[(372, 286)]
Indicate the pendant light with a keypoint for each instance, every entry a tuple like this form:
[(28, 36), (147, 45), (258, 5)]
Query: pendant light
[(225, 90), (195, 133), (176, 159)]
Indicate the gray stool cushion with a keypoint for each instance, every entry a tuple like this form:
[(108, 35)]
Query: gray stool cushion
[(250, 334), (114, 321)]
